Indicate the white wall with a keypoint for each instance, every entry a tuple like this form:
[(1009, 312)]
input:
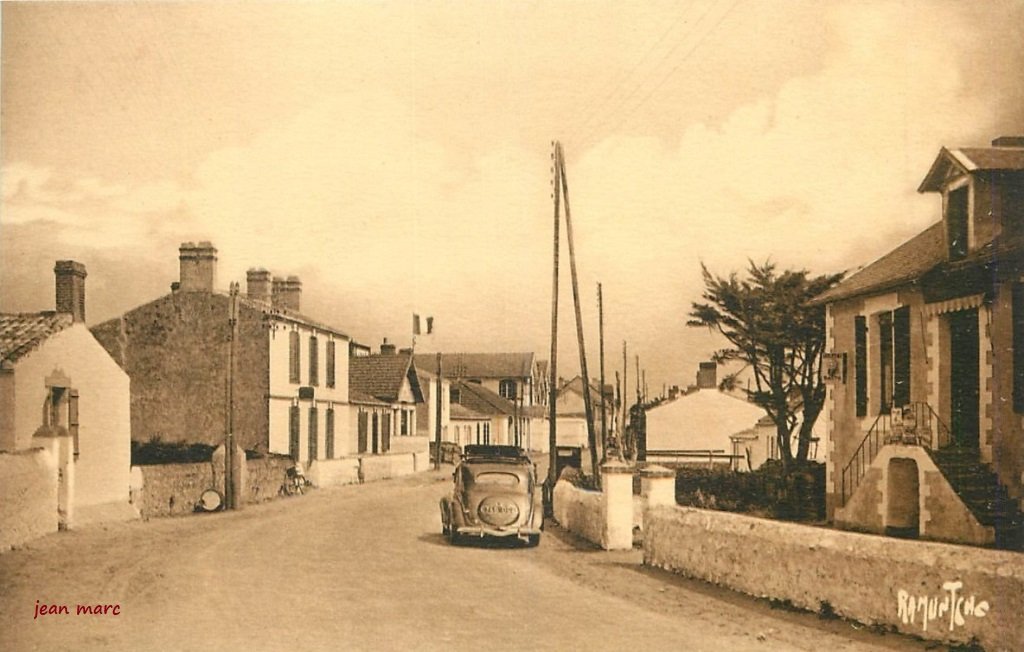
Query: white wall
[(104, 404)]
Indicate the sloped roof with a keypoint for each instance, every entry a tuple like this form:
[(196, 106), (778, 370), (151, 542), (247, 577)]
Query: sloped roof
[(21, 333), (576, 386), (478, 398), (479, 365), (904, 264), (381, 376), (701, 420), (971, 159), (360, 398), (462, 412)]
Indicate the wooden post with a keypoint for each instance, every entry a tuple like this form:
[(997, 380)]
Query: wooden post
[(588, 408), (230, 501), (553, 370), (624, 408), (600, 337), (437, 418)]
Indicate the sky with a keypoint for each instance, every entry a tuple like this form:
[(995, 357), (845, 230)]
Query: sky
[(396, 155)]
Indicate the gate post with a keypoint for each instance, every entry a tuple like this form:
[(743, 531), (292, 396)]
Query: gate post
[(658, 486), (617, 486)]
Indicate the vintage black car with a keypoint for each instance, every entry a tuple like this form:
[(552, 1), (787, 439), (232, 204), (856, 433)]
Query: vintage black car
[(495, 494)]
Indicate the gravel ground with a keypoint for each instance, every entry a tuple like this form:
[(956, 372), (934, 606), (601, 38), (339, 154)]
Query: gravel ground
[(365, 568)]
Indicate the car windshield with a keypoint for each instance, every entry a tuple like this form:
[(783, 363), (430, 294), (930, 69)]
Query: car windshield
[(496, 478)]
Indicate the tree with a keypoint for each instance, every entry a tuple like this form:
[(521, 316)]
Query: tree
[(779, 336)]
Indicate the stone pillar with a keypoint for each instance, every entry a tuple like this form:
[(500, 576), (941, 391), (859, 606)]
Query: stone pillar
[(617, 486), (658, 486)]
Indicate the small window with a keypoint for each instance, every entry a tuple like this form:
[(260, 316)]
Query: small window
[(314, 359), (405, 422), (294, 375), (507, 389), (454, 395), (956, 223), (330, 363), (293, 432), (497, 479)]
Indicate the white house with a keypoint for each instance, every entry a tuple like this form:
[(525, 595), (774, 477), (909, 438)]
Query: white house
[(59, 389)]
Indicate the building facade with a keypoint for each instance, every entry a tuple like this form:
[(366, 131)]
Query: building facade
[(290, 376), (925, 410)]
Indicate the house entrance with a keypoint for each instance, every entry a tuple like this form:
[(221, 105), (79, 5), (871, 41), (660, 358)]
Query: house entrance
[(964, 382), (903, 493)]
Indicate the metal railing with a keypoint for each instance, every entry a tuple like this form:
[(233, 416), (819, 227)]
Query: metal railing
[(915, 424)]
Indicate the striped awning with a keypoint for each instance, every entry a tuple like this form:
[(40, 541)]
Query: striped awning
[(955, 304)]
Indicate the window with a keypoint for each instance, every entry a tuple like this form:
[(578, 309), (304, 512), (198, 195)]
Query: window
[(73, 418), (329, 436), (314, 429), (901, 356), (454, 395), (1018, 348), (314, 366), (293, 358), (363, 431), (885, 363), (330, 363), (860, 363), (956, 223), (405, 422), (293, 432), (507, 389)]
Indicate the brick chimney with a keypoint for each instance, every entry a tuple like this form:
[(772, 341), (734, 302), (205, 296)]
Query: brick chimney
[(387, 348), (286, 293), (257, 285), (707, 376), (198, 267), (70, 282)]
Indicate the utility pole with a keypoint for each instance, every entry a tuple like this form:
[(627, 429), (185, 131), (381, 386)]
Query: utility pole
[(230, 499), (600, 331), (588, 408), (553, 370), (437, 417), (625, 385)]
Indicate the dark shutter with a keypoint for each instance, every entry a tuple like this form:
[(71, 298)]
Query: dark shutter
[(901, 356), (293, 358), (314, 428), (330, 363), (293, 432), (329, 436), (860, 363), (364, 425), (385, 433), (73, 418), (314, 361), (1018, 348)]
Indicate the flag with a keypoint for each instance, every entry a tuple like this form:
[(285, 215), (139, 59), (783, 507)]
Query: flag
[(430, 325), (415, 324)]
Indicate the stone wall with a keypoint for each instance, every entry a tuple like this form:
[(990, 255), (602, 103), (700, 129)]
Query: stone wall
[(580, 511), (382, 467), (933, 590), (28, 496), (265, 476), (333, 473)]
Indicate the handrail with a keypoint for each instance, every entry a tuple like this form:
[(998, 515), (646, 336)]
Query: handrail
[(910, 424)]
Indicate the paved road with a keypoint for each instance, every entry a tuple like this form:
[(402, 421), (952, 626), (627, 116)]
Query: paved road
[(365, 568)]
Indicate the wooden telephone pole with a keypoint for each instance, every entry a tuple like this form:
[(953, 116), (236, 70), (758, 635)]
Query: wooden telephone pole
[(600, 337), (553, 367)]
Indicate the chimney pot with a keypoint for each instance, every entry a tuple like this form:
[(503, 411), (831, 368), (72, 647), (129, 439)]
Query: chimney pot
[(258, 284), (70, 288), (707, 376), (198, 265), (386, 348)]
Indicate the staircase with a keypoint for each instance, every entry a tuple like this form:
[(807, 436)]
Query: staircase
[(980, 490)]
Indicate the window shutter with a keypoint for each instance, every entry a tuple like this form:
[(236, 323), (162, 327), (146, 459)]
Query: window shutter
[(901, 356), (73, 418), (329, 427), (314, 429), (1018, 348), (294, 375), (330, 363), (314, 361), (860, 356), (293, 432)]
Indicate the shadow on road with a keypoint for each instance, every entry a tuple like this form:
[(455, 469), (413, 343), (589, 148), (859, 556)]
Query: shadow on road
[(505, 543)]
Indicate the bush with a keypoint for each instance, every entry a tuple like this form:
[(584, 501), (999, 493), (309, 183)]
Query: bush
[(768, 491), (159, 452)]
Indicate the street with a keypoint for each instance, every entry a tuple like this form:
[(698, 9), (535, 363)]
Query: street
[(365, 568)]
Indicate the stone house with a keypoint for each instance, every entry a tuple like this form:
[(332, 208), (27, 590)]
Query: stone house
[(60, 390), (924, 411), (385, 394), (290, 371), (570, 412)]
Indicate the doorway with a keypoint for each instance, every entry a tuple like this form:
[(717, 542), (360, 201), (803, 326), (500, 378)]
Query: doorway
[(964, 382)]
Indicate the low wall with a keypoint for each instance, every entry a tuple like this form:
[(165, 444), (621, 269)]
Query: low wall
[(580, 511), (265, 475), (28, 496), (169, 489), (933, 590), (382, 467), (333, 473)]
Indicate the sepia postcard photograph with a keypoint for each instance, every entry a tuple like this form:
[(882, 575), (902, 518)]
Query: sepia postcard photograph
[(512, 325)]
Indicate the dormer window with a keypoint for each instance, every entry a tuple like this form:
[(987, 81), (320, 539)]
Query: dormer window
[(956, 223)]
